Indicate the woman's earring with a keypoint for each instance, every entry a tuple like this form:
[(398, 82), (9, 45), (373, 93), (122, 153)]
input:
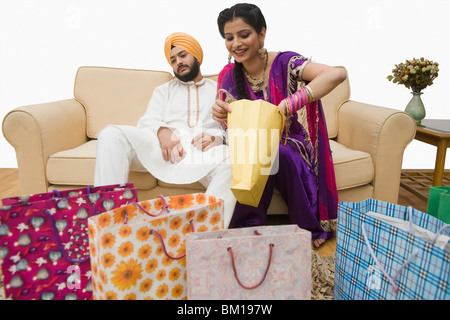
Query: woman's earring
[(229, 58), (262, 52)]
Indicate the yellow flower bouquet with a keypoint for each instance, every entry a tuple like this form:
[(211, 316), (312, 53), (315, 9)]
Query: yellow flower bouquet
[(415, 74)]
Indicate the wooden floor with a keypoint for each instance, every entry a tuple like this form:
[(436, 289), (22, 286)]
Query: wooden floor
[(419, 179), (9, 183)]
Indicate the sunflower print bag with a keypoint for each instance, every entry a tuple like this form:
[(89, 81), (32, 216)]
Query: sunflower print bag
[(138, 251)]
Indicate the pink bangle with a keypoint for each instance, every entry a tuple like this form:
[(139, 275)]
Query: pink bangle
[(299, 99), (291, 104), (304, 98), (294, 103)]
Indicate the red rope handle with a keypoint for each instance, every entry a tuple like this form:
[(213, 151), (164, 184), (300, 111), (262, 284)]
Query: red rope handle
[(265, 273), (164, 246)]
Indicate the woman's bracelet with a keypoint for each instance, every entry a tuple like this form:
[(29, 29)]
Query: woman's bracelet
[(298, 99), (310, 93)]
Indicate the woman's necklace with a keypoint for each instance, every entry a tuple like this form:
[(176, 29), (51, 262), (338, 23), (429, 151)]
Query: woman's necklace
[(257, 83)]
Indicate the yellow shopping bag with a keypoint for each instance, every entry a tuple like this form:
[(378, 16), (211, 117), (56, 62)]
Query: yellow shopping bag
[(254, 133)]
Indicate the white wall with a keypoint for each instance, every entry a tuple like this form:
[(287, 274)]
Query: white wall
[(42, 44)]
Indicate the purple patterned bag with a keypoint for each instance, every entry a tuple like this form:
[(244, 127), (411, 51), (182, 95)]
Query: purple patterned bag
[(44, 246)]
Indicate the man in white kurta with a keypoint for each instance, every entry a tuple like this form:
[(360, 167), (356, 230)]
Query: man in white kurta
[(182, 108)]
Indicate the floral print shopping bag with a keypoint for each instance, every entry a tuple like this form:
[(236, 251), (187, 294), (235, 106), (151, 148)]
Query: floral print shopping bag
[(138, 251), (44, 245)]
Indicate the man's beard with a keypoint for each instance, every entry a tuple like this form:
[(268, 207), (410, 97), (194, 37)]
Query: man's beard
[(193, 72)]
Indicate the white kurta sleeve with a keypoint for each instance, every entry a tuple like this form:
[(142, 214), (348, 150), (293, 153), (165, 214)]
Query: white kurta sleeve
[(154, 115)]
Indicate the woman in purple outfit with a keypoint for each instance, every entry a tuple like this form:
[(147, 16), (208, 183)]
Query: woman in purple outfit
[(305, 178)]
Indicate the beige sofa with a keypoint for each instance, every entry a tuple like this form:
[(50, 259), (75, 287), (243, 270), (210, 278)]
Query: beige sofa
[(55, 142)]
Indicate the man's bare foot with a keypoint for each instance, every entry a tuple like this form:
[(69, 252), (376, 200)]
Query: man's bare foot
[(317, 242)]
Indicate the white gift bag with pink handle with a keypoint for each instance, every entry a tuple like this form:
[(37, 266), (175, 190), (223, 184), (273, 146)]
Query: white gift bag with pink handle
[(255, 263)]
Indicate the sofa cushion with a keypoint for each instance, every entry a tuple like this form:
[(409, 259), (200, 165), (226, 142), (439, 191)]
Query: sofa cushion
[(115, 96), (77, 166), (352, 168), (189, 186), (74, 166)]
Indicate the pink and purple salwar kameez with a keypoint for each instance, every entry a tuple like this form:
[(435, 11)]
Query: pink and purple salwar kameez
[(305, 178)]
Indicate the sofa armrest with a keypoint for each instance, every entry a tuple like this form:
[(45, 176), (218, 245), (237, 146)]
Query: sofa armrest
[(37, 131), (382, 132)]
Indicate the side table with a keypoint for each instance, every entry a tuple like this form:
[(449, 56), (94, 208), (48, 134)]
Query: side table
[(435, 132)]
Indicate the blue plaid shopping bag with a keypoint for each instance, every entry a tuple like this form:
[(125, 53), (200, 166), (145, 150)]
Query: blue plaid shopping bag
[(386, 251)]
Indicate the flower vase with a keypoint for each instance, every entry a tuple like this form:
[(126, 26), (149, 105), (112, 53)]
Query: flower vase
[(415, 107)]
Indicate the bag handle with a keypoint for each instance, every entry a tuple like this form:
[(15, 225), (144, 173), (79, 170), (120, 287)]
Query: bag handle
[(397, 273), (164, 207), (226, 97), (57, 196), (445, 226), (55, 232), (57, 193), (164, 246), (230, 250), (58, 241), (412, 255)]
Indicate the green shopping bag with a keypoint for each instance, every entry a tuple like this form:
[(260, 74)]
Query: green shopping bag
[(439, 203)]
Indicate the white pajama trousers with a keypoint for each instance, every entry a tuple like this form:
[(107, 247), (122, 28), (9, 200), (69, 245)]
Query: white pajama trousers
[(116, 157)]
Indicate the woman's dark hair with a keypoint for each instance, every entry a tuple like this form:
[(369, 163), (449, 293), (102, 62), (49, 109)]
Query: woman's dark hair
[(252, 16)]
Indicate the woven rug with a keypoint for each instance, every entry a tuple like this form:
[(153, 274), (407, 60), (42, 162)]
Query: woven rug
[(322, 274)]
